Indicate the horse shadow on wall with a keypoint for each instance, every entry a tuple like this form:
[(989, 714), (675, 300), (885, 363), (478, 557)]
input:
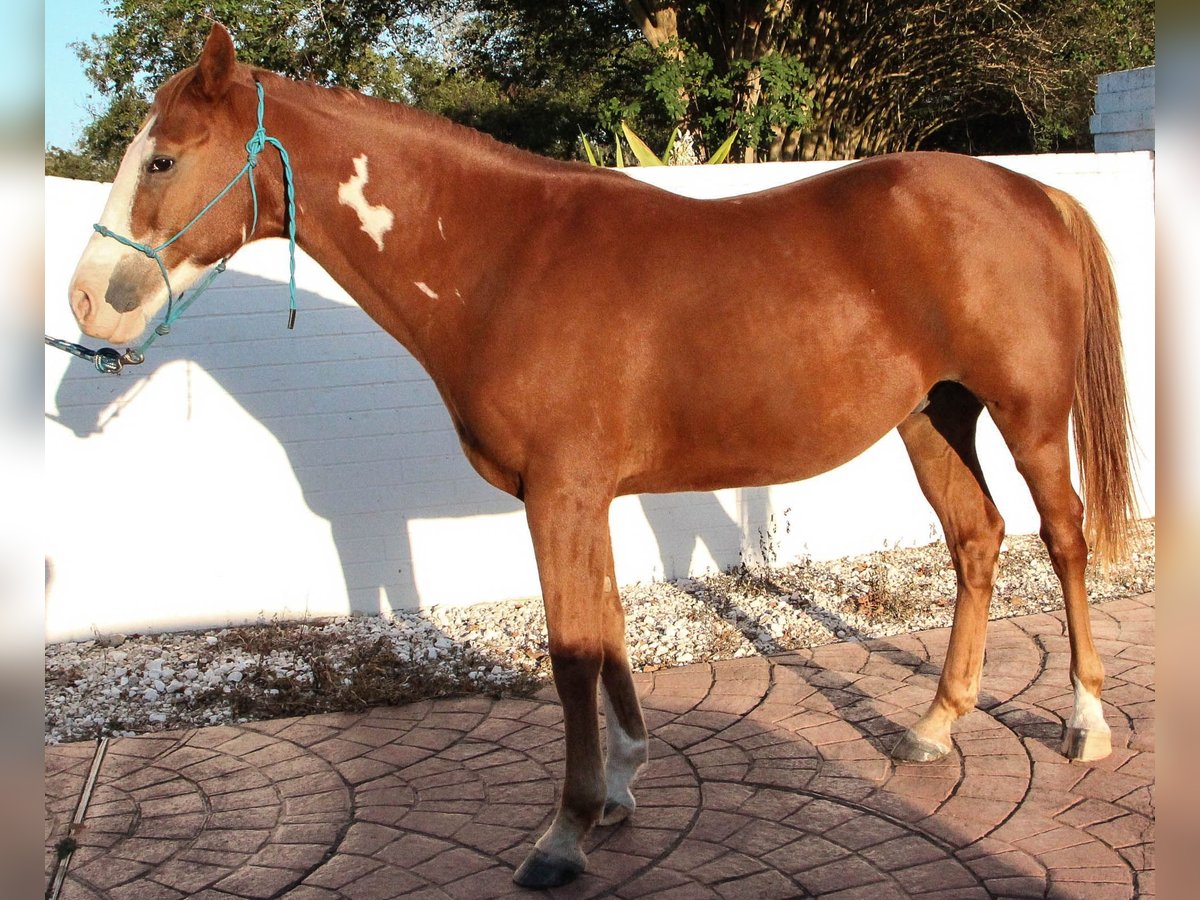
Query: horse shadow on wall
[(365, 433), (682, 522), (363, 429)]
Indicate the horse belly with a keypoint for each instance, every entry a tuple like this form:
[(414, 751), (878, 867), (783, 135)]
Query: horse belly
[(777, 423)]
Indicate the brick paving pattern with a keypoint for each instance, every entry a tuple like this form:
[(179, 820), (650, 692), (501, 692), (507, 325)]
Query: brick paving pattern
[(769, 777)]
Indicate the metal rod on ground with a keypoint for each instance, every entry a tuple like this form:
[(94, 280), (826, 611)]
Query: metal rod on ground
[(64, 861)]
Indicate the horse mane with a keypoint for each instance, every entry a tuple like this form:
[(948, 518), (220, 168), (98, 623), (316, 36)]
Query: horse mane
[(439, 129)]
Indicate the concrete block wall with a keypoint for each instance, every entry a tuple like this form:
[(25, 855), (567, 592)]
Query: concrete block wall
[(246, 471), (1124, 118)]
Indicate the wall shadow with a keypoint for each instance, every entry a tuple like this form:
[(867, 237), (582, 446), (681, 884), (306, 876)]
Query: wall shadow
[(683, 522), (301, 413), (406, 464)]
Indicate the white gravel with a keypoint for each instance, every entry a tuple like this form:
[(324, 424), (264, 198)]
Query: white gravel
[(120, 685)]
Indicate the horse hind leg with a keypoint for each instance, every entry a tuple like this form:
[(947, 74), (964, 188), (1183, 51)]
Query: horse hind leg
[(940, 440), (1038, 443)]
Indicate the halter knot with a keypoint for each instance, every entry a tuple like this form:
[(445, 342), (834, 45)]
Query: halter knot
[(255, 145)]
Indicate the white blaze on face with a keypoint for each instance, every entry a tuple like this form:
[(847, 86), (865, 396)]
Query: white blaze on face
[(118, 211), (102, 255), (376, 220)]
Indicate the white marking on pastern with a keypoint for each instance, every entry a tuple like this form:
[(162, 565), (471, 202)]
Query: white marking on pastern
[(623, 761), (1088, 713)]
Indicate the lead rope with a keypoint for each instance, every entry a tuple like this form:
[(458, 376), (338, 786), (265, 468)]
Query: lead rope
[(108, 360)]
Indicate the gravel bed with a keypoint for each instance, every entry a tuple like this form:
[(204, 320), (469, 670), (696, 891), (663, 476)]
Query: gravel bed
[(123, 685)]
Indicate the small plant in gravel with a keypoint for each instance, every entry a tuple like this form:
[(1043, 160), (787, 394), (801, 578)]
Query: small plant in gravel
[(879, 602), (759, 574)]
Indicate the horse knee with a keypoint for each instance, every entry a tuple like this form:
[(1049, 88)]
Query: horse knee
[(976, 550)]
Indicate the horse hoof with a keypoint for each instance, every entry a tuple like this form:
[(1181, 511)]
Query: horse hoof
[(541, 871), (1087, 744), (914, 748), (615, 812)]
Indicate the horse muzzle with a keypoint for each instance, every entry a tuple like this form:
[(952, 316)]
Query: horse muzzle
[(113, 302)]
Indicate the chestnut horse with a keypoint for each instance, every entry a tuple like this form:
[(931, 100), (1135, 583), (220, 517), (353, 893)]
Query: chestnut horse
[(593, 336)]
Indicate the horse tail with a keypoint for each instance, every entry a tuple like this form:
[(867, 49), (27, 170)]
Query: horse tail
[(1101, 405)]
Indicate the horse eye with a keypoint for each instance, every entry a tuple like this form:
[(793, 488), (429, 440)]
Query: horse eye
[(160, 164)]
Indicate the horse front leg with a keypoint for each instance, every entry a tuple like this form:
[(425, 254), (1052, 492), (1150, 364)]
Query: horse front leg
[(571, 542)]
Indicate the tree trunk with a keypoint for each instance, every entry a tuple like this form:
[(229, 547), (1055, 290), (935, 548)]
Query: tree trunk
[(659, 21)]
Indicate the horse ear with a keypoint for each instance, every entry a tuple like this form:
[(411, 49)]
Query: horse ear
[(216, 64)]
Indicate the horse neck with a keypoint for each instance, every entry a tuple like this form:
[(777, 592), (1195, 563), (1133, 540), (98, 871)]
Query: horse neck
[(440, 207)]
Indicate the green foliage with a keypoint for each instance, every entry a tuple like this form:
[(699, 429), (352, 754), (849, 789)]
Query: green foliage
[(587, 148), (641, 150), (1089, 39), (535, 74), (977, 75), (647, 157), (527, 72), (754, 97), (330, 43), (974, 75), (722, 152), (73, 164), (785, 101)]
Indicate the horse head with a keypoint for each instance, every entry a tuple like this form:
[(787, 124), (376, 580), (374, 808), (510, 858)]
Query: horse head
[(190, 146)]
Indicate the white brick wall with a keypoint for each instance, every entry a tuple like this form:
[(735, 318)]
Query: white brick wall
[(245, 470), (1124, 118)]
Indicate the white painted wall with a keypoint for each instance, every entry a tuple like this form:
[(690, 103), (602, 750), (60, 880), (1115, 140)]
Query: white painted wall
[(248, 471)]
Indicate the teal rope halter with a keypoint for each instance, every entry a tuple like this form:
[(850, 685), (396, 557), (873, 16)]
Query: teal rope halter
[(108, 360)]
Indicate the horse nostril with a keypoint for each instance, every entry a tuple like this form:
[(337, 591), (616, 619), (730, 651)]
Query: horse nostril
[(81, 304)]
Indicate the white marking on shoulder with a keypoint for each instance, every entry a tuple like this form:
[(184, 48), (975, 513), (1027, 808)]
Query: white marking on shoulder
[(376, 219), (441, 230), (426, 290)]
